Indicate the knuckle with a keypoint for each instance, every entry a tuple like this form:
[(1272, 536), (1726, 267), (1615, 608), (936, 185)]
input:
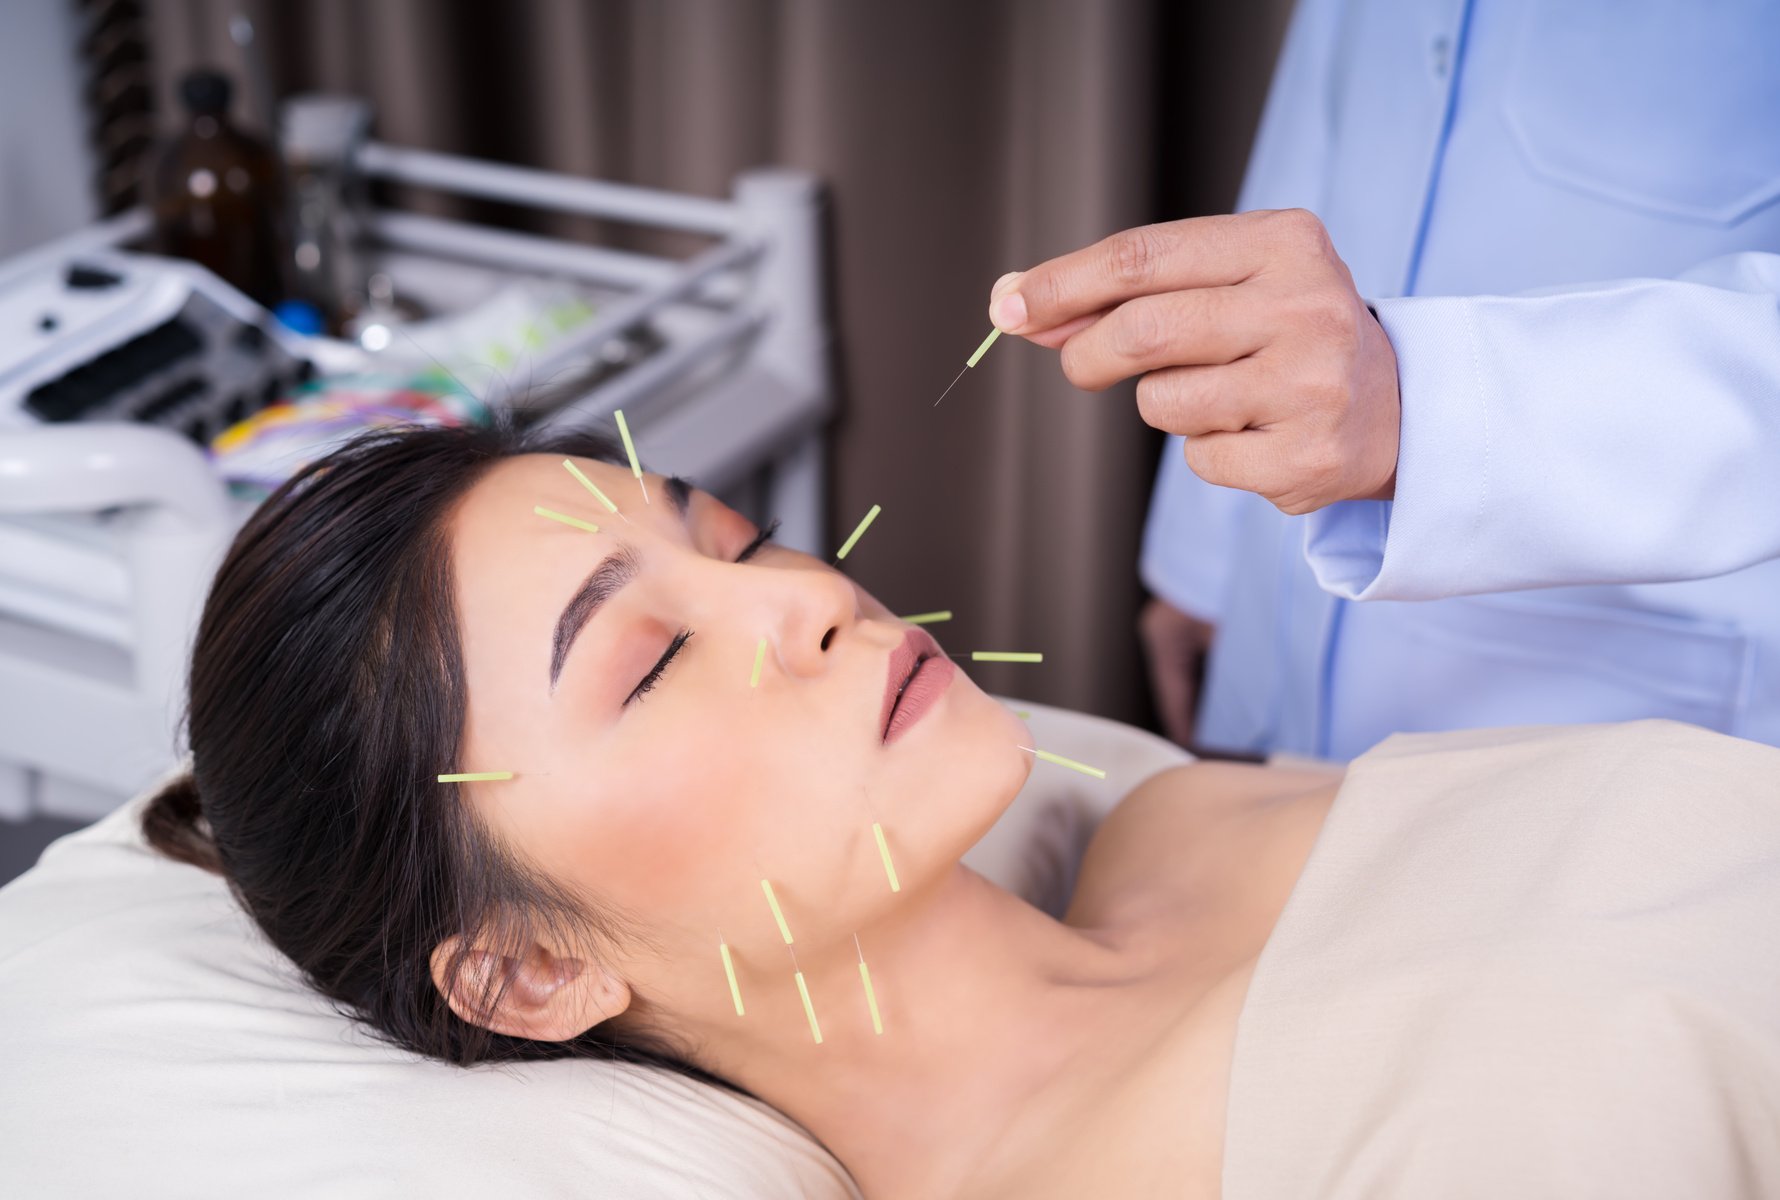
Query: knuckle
[(1132, 256), (1073, 359), (1142, 331), (1328, 314), (1201, 460), (1303, 227), (1156, 400), (1042, 291)]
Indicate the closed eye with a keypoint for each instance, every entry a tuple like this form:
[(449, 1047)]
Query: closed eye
[(649, 680), (760, 540)]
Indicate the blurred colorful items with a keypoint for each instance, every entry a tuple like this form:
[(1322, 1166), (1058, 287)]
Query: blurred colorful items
[(258, 454)]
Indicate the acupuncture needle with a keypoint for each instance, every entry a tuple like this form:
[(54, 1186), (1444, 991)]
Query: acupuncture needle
[(971, 362)]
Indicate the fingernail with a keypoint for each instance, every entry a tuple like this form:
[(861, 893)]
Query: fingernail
[(1004, 281), (1010, 311)]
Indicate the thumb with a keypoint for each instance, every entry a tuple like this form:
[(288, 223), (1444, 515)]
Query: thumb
[(1004, 283), (1051, 338)]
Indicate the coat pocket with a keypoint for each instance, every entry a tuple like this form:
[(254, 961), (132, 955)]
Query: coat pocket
[(1666, 107)]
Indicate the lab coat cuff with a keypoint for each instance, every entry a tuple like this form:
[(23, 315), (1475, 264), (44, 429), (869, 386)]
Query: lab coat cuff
[(1418, 545)]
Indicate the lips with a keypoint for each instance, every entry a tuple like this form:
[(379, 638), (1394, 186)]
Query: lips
[(916, 647)]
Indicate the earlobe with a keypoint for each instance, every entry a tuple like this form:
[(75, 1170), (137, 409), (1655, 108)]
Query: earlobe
[(545, 997)]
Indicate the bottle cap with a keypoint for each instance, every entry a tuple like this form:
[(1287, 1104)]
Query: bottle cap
[(205, 91), (300, 316)]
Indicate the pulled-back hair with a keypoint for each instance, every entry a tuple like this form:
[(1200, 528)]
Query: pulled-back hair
[(326, 694)]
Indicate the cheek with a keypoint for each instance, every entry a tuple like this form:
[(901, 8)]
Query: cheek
[(745, 803), (674, 833)]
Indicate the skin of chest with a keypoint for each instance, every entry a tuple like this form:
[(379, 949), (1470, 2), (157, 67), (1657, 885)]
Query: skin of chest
[(1193, 869)]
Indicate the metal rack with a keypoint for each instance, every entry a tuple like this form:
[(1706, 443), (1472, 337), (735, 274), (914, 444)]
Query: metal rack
[(124, 523)]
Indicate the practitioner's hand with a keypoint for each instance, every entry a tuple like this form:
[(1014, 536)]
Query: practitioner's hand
[(1251, 341), (1174, 645)]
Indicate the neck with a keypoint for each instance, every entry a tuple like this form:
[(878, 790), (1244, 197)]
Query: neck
[(984, 999)]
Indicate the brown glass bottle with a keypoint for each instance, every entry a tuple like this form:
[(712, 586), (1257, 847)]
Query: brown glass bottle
[(217, 193)]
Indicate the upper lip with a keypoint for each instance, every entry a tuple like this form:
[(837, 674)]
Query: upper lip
[(916, 647)]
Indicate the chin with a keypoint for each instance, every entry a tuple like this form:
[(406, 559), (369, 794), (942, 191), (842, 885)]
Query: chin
[(981, 768)]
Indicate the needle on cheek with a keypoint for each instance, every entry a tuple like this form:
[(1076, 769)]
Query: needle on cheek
[(809, 1009), (884, 853), (735, 992), (871, 997), (877, 832), (1084, 768), (766, 885)]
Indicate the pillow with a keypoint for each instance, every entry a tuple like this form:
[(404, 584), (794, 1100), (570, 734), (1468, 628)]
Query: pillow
[(152, 1043)]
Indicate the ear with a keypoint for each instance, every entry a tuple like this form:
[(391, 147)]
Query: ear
[(549, 998)]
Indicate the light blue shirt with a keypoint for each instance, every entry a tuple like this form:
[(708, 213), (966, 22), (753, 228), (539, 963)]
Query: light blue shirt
[(1566, 215)]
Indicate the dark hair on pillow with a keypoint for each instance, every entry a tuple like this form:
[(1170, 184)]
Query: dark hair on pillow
[(326, 694)]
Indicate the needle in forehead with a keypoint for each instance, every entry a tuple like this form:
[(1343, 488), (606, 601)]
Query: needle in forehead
[(591, 486), (630, 450)]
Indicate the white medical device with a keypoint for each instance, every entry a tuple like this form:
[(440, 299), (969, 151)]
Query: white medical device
[(107, 335), (111, 528)]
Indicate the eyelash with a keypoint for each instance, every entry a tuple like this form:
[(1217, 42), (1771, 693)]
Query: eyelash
[(654, 674), (764, 536), (680, 639)]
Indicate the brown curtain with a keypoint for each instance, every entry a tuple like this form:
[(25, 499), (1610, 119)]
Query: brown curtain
[(957, 141)]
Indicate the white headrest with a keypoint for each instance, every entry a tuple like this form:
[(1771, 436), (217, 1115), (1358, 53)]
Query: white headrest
[(152, 1043)]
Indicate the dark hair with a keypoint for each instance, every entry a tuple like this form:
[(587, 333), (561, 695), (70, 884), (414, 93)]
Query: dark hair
[(326, 694)]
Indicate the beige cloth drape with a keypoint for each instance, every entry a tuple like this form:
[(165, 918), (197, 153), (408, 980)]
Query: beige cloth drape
[(958, 141), (1539, 963)]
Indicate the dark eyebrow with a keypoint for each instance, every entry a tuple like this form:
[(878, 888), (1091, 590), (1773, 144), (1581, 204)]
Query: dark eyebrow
[(679, 491), (614, 571)]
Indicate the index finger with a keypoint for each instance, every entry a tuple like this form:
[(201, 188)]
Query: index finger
[(1172, 256)]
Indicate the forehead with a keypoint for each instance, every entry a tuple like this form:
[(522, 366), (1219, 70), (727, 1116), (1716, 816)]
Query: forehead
[(507, 558), (496, 516), (495, 527), (513, 570)]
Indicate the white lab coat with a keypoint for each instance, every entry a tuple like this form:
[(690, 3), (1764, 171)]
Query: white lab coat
[(1566, 217)]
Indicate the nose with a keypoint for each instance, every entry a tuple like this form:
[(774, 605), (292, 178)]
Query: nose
[(803, 612)]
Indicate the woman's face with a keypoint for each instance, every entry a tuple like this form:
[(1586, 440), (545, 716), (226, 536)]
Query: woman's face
[(671, 790)]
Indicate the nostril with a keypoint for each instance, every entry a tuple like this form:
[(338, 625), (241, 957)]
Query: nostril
[(828, 637)]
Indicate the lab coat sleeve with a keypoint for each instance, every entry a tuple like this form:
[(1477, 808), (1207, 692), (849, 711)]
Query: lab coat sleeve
[(1618, 432), (1189, 540)]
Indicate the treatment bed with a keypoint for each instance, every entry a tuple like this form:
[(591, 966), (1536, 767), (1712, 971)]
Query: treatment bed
[(154, 1044)]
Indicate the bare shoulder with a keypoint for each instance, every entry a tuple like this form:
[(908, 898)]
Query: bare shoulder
[(1153, 846)]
